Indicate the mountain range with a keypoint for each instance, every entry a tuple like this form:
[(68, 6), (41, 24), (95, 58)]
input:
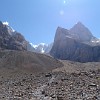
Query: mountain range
[(75, 44), (15, 53), (34, 72), (13, 40)]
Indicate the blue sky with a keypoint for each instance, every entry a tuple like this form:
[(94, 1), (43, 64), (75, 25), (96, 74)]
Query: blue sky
[(37, 20)]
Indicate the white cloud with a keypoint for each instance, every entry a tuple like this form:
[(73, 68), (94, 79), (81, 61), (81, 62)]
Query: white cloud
[(6, 23)]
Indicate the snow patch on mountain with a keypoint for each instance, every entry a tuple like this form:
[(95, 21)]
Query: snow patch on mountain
[(6, 23), (34, 46), (42, 47), (10, 29)]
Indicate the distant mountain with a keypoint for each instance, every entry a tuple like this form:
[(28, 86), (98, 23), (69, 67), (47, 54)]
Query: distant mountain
[(10, 39), (41, 48), (76, 44)]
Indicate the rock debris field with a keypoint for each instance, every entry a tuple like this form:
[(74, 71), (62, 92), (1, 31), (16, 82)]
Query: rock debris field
[(83, 85)]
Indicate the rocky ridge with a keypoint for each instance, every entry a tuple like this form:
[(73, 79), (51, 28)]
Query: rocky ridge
[(10, 39)]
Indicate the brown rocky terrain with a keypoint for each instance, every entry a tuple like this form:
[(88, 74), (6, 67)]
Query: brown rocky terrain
[(24, 60), (73, 81), (19, 70)]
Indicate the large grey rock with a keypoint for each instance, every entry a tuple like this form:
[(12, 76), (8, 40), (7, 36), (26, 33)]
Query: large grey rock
[(75, 44)]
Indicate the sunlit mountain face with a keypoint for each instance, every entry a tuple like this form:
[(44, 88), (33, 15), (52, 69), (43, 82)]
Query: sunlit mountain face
[(76, 44)]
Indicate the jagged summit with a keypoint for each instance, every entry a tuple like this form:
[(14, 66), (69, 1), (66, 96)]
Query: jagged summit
[(79, 24), (81, 31), (77, 44), (11, 39), (78, 32)]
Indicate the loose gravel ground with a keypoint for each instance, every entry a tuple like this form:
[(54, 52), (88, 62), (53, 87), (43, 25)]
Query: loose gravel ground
[(51, 86)]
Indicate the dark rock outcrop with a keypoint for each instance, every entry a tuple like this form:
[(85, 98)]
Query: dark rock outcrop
[(10, 39), (76, 44)]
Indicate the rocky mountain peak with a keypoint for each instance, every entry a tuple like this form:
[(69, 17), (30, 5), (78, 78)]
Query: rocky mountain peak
[(81, 32), (60, 33), (78, 32), (76, 44), (10, 39), (79, 24)]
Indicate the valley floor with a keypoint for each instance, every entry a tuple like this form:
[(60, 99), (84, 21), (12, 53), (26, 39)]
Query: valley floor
[(60, 84)]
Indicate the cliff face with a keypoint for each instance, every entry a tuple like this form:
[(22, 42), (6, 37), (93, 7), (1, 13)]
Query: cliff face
[(10, 39), (75, 44)]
